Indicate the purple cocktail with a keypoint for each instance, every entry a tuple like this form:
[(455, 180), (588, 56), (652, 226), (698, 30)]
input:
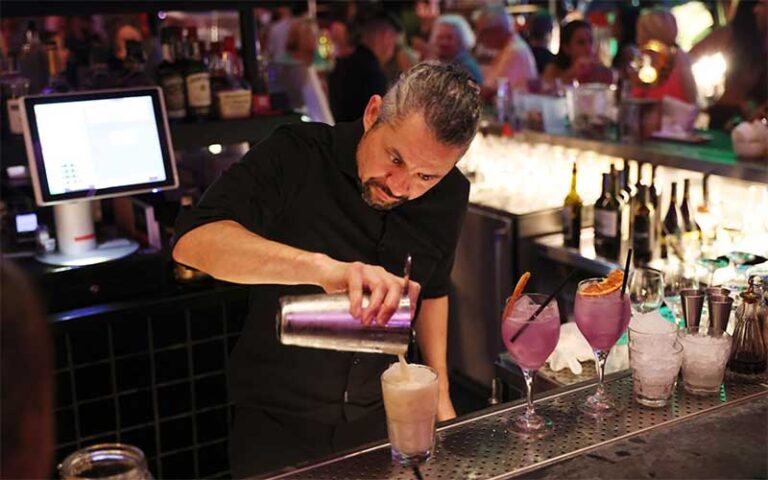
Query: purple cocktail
[(529, 344), (602, 317)]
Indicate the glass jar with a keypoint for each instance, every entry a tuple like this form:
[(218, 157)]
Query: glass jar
[(114, 461), (748, 355)]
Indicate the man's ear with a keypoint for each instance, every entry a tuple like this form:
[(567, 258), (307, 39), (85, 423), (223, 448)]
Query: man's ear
[(372, 112)]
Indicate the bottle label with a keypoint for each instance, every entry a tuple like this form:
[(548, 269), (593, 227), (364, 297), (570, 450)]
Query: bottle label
[(606, 223), (234, 103), (199, 89), (173, 91)]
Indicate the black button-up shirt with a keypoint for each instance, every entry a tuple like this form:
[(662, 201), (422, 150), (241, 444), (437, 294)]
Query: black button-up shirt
[(300, 187)]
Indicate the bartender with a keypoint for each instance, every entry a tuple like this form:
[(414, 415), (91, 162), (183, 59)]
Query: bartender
[(315, 208)]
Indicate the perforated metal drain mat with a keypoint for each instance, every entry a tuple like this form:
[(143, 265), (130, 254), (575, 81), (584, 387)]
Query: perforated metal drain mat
[(482, 447)]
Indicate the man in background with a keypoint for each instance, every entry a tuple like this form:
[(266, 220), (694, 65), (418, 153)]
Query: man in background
[(361, 74)]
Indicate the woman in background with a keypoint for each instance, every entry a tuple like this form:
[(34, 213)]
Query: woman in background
[(294, 71), (744, 44), (501, 51), (660, 25), (452, 39), (576, 59)]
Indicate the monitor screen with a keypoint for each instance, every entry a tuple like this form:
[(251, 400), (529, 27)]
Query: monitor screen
[(89, 145)]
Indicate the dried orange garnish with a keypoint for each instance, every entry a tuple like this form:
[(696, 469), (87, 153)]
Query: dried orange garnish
[(610, 284), (516, 294)]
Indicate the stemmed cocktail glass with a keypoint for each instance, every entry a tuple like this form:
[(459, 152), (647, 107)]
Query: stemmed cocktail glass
[(602, 314), (530, 342)]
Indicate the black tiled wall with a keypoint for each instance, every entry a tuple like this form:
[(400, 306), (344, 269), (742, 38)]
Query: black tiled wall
[(155, 379)]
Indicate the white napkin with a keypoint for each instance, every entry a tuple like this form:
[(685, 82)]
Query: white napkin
[(573, 348)]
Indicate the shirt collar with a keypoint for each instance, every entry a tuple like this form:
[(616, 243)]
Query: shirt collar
[(347, 136)]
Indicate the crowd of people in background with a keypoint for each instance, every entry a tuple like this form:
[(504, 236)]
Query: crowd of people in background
[(367, 45), (374, 44)]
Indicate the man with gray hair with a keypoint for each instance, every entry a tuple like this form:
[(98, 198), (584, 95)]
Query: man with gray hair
[(315, 208)]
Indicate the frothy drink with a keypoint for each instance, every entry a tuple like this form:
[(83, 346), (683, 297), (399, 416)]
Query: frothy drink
[(410, 401)]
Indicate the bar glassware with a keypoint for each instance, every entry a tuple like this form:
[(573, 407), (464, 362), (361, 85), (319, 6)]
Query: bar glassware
[(602, 319), (529, 344), (410, 403), (655, 366), (646, 289), (705, 354)]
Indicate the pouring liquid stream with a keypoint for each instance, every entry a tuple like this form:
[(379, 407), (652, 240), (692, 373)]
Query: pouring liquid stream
[(403, 367)]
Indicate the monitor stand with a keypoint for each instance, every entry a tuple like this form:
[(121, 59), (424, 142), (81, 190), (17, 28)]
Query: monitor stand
[(76, 239)]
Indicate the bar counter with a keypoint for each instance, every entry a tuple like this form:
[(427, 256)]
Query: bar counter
[(693, 437)]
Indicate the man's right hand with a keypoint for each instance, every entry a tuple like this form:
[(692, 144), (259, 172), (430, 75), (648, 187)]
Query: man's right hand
[(385, 289)]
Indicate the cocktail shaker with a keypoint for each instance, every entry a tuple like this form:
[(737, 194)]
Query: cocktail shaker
[(324, 321)]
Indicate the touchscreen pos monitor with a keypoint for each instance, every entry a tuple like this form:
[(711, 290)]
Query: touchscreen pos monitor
[(85, 146)]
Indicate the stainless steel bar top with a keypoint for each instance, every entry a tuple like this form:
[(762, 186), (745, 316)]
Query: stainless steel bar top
[(481, 447)]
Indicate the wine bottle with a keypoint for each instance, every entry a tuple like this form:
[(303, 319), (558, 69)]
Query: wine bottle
[(608, 221), (671, 230), (643, 219), (572, 214), (656, 204), (691, 229), (627, 186)]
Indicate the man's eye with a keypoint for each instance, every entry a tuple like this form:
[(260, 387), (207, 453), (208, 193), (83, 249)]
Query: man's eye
[(396, 161), (426, 178)]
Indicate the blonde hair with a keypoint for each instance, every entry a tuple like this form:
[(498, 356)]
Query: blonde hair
[(657, 24)]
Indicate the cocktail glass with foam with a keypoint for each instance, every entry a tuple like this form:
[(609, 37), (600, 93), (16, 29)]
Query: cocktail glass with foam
[(410, 401)]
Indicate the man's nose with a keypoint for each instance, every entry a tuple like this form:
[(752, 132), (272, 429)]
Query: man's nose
[(399, 183)]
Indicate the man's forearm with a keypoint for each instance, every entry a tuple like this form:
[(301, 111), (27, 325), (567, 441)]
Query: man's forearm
[(432, 336), (228, 251)]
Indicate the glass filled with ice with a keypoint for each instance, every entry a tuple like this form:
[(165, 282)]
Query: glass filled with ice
[(705, 354), (410, 401), (654, 371)]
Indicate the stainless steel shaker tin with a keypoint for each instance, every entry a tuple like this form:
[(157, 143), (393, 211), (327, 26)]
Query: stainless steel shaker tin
[(324, 321)]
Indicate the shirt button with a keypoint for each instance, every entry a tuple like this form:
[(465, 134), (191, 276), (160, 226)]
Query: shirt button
[(346, 396), (356, 361)]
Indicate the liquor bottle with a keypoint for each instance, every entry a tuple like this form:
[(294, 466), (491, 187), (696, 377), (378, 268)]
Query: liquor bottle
[(197, 79), (671, 230), (608, 221), (623, 196), (643, 219), (232, 94), (171, 79), (33, 63), (704, 216), (655, 202), (627, 185), (261, 100), (57, 82), (691, 230), (572, 214)]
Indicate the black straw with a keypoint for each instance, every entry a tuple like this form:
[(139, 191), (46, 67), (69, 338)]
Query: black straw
[(626, 273), (417, 472), (543, 306)]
